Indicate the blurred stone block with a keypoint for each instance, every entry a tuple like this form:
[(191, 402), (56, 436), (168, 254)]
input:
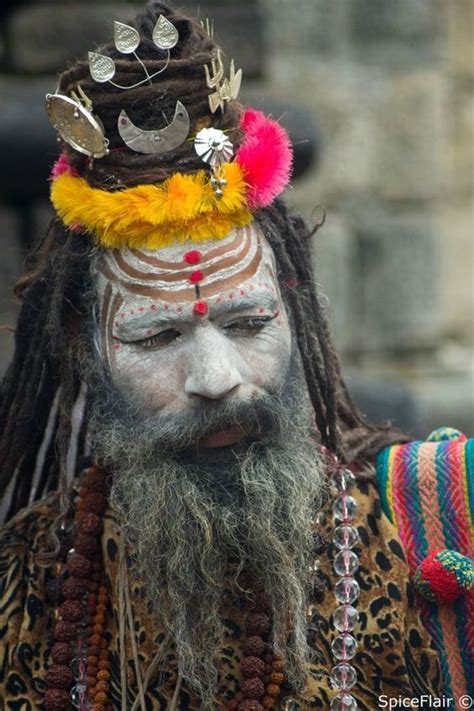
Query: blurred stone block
[(334, 263), (410, 129), (399, 283), (10, 269), (395, 33), (239, 28), (315, 26), (458, 17), (44, 37), (459, 152)]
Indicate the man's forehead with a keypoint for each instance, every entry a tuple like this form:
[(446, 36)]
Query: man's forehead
[(183, 272)]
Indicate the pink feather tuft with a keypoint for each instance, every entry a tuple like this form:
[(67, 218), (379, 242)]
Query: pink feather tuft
[(62, 166), (265, 156)]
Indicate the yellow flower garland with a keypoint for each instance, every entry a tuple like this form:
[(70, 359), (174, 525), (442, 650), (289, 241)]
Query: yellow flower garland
[(183, 207)]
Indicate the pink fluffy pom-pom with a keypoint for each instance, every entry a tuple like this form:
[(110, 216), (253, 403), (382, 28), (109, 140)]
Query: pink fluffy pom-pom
[(62, 166), (265, 156)]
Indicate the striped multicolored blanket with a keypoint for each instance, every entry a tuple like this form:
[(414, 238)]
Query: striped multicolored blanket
[(427, 491)]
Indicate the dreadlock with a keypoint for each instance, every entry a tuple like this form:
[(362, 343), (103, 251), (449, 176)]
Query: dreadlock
[(43, 383)]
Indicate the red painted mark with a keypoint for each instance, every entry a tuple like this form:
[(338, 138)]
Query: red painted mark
[(218, 300), (122, 315), (153, 307), (231, 296), (166, 307), (179, 309), (201, 308), (196, 277), (149, 332), (193, 257), (261, 311), (116, 347), (141, 308), (242, 292)]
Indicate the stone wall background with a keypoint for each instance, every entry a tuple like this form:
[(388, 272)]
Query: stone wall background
[(389, 85)]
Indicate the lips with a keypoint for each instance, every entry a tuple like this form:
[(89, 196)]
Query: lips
[(224, 438)]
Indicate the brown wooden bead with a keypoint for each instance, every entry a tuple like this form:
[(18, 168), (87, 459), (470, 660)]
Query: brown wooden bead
[(84, 544), (254, 646), (72, 610), (91, 682), (250, 705), (253, 688), (74, 588), (93, 650), (56, 699), (101, 608), (92, 661), (95, 640), (79, 566), (92, 671), (103, 674), (102, 685), (268, 702), (273, 690), (99, 618), (277, 678), (97, 629), (62, 653), (100, 696), (258, 623), (277, 665), (90, 523), (59, 676), (95, 502), (231, 705), (97, 706), (252, 666), (104, 664), (65, 631)]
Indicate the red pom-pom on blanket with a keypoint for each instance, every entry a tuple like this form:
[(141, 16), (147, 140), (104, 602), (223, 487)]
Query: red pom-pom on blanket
[(443, 576)]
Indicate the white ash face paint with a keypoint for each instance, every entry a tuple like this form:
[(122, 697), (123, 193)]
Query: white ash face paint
[(162, 352)]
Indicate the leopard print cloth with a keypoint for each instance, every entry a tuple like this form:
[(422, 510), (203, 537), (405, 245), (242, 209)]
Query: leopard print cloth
[(395, 654)]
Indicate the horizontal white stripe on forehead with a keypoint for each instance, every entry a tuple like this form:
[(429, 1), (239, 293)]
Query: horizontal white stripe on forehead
[(167, 270)]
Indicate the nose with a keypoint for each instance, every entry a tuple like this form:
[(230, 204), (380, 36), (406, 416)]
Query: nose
[(214, 371)]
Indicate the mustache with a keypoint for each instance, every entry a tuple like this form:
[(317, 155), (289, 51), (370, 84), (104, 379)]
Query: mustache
[(257, 418)]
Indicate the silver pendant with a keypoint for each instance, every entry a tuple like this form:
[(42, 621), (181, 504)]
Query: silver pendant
[(213, 146), (165, 35), (155, 140), (126, 38), (76, 124)]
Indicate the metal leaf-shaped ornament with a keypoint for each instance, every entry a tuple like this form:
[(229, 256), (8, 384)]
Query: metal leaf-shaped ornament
[(126, 38), (102, 68), (165, 34), (235, 80)]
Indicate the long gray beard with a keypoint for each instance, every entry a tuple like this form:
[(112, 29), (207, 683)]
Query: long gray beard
[(194, 526)]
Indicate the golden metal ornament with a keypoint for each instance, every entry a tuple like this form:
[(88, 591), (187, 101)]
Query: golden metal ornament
[(225, 89), (73, 119)]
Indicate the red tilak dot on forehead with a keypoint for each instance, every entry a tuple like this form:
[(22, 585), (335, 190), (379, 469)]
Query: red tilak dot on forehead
[(200, 308), (196, 276), (193, 257), (261, 311)]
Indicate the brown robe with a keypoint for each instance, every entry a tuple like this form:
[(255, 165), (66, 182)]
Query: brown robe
[(395, 654)]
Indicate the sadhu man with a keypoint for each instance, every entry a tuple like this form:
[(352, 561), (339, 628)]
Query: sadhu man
[(200, 518)]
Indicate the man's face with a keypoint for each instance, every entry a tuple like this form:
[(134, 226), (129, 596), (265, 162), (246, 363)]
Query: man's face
[(194, 325)]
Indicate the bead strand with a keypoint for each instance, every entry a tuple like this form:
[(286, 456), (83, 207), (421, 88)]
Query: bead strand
[(347, 591)]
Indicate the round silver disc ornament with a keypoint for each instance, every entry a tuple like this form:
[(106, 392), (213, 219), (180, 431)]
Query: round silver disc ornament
[(213, 146), (77, 126)]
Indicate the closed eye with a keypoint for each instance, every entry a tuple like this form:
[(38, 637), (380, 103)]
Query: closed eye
[(248, 326), (158, 340)]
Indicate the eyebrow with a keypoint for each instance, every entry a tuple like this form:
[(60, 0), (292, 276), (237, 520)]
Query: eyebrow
[(160, 317)]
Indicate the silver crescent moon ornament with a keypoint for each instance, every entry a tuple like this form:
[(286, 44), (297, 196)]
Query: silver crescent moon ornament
[(159, 140), (126, 38), (102, 68), (165, 35)]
